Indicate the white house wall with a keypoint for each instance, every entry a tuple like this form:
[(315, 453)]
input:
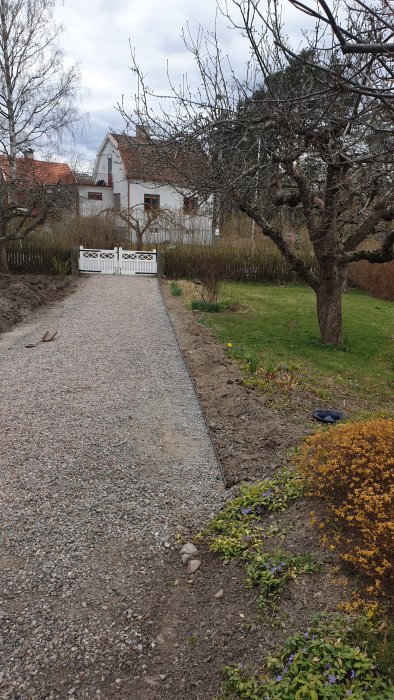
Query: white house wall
[(194, 228), (91, 207), (101, 165), (169, 198)]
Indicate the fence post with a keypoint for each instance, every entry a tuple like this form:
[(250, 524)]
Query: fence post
[(161, 260), (75, 260)]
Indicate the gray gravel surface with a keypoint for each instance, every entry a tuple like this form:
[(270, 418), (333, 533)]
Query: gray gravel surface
[(104, 457)]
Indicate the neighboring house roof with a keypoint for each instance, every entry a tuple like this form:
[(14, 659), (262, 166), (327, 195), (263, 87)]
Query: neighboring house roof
[(88, 180), (41, 171), (84, 179), (149, 160)]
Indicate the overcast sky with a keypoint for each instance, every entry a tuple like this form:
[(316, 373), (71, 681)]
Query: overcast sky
[(98, 34)]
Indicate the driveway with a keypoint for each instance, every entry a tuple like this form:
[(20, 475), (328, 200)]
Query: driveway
[(104, 457)]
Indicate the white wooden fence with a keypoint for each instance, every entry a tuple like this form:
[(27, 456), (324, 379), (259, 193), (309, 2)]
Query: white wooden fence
[(117, 261)]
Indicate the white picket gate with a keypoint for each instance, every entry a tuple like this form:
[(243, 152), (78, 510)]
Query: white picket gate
[(117, 261)]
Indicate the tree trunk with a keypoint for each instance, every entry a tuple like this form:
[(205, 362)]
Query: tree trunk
[(3, 257), (329, 303), (139, 239)]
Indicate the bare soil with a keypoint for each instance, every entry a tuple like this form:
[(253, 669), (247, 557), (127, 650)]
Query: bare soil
[(21, 294), (251, 438)]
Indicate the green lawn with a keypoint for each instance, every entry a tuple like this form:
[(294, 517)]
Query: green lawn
[(281, 325)]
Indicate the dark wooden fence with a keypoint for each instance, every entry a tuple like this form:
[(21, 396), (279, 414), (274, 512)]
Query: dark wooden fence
[(24, 257), (189, 262)]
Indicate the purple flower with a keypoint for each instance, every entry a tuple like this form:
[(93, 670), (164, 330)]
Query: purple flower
[(352, 674), (267, 494), (290, 659), (279, 678), (246, 511), (349, 692), (332, 679)]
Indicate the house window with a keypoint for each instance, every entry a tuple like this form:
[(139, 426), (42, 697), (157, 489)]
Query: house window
[(190, 205), (98, 196), (151, 201), (117, 201)]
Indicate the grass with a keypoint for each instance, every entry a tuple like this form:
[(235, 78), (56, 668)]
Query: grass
[(281, 325)]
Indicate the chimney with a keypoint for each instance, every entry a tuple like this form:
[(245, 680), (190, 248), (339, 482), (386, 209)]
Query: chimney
[(29, 153), (142, 132)]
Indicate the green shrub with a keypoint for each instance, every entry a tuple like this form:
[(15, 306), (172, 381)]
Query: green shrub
[(270, 572), (326, 662), (209, 306), (62, 268), (240, 531), (176, 291)]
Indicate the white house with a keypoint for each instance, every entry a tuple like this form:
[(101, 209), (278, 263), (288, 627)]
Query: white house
[(131, 185)]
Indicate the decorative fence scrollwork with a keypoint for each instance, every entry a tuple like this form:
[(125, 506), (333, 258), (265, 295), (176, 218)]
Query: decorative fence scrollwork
[(117, 261)]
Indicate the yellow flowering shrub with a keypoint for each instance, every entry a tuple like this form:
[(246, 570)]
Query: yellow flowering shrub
[(350, 467)]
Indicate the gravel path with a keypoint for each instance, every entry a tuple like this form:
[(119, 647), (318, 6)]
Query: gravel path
[(104, 457)]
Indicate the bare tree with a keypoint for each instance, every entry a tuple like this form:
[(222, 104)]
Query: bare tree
[(344, 31), (36, 106), (370, 30), (140, 220), (296, 135)]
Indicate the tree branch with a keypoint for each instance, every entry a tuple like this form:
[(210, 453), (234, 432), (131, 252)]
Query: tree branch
[(385, 254)]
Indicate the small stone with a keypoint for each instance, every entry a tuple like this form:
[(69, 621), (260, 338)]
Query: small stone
[(219, 594), (189, 548), (185, 558), (193, 566), (167, 545), (176, 582)]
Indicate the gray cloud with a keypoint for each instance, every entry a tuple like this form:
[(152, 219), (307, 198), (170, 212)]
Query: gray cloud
[(98, 34)]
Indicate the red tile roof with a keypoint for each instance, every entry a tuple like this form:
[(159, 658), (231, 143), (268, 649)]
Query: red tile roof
[(44, 172), (151, 161)]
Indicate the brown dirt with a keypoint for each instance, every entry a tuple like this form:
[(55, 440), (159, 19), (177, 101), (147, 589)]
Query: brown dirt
[(196, 635), (251, 439), (21, 294)]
